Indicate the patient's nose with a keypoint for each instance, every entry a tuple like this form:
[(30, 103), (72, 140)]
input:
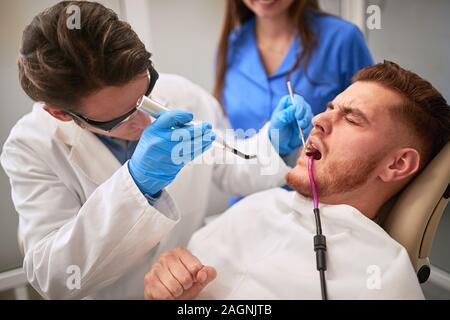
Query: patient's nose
[(321, 124)]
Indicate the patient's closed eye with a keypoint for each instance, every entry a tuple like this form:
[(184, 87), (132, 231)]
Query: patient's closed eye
[(343, 112), (351, 115), (351, 121)]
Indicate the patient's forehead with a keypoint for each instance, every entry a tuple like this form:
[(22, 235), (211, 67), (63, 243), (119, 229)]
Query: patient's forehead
[(372, 98)]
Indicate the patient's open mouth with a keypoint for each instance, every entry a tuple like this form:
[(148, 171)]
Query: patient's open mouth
[(311, 151)]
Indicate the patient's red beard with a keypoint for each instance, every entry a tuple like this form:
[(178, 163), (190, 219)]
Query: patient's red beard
[(339, 177)]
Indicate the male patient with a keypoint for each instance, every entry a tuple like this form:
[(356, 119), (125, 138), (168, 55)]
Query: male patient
[(373, 139)]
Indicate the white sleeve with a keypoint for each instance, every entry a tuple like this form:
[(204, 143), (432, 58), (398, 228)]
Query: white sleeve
[(238, 176), (102, 238)]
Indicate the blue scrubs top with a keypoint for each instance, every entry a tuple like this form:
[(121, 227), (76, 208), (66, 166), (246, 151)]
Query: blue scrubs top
[(250, 95)]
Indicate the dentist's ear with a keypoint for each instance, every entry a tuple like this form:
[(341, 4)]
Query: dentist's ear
[(58, 113), (403, 164)]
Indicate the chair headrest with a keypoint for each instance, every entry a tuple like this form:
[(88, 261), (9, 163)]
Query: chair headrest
[(412, 217)]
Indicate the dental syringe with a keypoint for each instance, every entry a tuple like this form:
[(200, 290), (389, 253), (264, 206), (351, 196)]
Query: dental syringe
[(155, 108)]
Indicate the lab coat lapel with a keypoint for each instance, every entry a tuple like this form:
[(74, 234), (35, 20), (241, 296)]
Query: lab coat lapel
[(88, 153)]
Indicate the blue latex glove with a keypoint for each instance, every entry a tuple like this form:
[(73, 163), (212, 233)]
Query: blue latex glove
[(165, 147), (286, 118)]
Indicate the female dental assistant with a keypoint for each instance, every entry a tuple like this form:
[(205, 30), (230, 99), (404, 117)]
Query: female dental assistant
[(266, 42)]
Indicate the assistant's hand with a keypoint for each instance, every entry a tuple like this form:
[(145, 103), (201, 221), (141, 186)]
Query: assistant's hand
[(164, 149), (177, 275), (286, 118)]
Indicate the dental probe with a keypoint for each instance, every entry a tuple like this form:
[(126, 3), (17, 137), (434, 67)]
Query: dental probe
[(154, 109), (309, 150), (291, 94)]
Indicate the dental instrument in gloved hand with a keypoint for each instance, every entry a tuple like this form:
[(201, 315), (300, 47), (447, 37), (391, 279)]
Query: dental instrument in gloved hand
[(288, 116), (291, 94), (309, 149), (154, 109), (154, 164)]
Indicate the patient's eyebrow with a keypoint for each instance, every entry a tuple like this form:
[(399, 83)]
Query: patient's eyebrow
[(346, 110)]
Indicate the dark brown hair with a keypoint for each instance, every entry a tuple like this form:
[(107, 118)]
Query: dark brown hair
[(237, 13), (424, 111), (60, 65)]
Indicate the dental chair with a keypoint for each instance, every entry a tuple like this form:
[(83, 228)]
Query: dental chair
[(412, 216)]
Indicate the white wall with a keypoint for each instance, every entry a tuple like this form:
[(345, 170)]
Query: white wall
[(183, 35), (416, 34)]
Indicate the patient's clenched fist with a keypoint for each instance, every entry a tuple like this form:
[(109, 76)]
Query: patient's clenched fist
[(177, 274)]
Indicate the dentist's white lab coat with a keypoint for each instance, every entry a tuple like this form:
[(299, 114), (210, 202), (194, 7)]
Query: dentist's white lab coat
[(83, 218), (262, 248)]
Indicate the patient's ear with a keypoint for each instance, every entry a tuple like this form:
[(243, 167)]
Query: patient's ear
[(58, 113), (402, 164)]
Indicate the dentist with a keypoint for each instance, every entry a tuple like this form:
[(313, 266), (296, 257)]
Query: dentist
[(92, 178)]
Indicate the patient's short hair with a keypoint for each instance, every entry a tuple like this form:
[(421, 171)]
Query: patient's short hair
[(424, 111)]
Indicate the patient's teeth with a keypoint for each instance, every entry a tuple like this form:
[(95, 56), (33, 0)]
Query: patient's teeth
[(311, 151)]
